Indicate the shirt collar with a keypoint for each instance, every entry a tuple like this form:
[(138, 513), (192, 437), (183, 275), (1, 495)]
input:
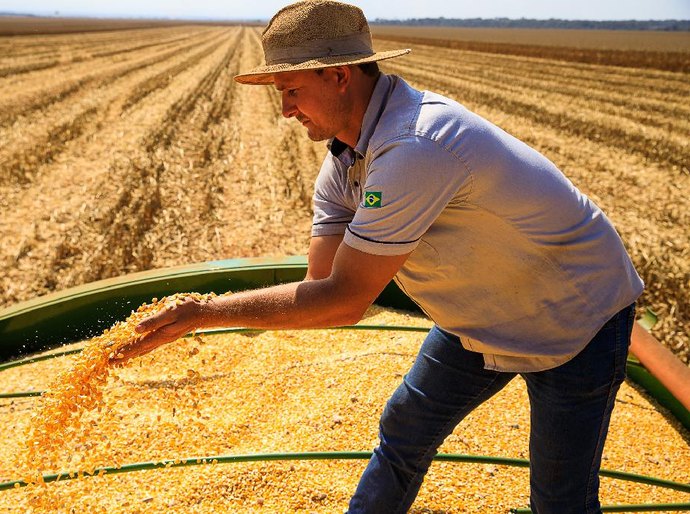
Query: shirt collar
[(377, 102)]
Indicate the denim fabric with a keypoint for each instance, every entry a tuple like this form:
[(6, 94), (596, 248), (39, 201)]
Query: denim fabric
[(570, 412)]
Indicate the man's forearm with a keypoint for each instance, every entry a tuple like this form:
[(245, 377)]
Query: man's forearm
[(355, 280), (309, 304)]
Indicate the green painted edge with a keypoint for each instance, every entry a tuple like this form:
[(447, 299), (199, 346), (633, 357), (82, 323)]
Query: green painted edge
[(152, 276), (84, 311), (329, 455), (641, 376)]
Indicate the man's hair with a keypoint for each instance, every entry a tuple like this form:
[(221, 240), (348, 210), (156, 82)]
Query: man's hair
[(370, 69)]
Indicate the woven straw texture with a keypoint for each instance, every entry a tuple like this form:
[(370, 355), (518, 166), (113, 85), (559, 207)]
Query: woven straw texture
[(316, 19), (303, 36)]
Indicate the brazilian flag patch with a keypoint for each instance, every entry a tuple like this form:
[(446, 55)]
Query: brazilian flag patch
[(372, 199)]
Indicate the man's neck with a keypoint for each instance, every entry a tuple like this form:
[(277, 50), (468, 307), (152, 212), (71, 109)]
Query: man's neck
[(361, 95)]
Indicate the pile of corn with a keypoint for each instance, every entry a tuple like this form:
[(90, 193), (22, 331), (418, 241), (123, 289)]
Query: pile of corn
[(289, 391), (56, 426)]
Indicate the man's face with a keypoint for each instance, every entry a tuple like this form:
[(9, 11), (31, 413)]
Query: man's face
[(315, 100)]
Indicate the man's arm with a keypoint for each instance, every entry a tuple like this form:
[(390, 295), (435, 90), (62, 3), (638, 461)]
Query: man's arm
[(340, 298), (322, 250)]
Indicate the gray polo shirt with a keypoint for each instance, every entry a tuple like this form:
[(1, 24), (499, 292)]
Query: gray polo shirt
[(506, 252)]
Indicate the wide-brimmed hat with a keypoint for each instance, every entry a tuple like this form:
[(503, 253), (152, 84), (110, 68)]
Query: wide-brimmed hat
[(315, 34)]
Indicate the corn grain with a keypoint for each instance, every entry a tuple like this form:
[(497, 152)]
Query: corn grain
[(290, 391), (59, 415)]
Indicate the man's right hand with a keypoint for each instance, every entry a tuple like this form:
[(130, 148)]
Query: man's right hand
[(164, 327)]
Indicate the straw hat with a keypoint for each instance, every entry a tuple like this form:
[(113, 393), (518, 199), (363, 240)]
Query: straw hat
[(315, 34)]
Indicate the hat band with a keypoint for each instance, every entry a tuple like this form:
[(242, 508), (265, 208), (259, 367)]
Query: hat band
[(359, 43)]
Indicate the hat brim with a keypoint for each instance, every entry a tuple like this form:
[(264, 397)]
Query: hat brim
[(263, 75)]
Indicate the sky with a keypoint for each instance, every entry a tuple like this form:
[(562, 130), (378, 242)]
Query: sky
[(390, 9)]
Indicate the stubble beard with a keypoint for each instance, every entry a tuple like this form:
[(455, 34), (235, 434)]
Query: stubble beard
[(337, 112), (317, 133)]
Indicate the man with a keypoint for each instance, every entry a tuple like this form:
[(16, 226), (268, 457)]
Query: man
[(520, 271)]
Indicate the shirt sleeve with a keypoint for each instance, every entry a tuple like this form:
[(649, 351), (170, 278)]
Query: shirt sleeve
[(333, 209), (410, 181)]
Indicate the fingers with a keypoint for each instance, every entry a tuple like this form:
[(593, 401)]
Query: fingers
[(147, 343), (153, 322), (135, 349), (157, 330), (173, 311), (171, 323)]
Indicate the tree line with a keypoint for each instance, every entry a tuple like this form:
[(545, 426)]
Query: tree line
[(529, 23)]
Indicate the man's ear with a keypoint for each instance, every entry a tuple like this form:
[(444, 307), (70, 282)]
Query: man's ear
[(341, 75)]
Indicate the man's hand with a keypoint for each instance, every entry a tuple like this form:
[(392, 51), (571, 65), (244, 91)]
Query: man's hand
[(166, 326)]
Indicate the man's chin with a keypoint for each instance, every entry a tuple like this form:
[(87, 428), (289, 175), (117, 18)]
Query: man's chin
[(316, 136), (315, 133)]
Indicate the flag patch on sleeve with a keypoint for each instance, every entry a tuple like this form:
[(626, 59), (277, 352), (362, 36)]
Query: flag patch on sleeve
[(372, 199)]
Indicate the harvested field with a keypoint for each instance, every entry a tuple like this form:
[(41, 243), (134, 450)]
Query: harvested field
[(637, 40), (636, 49), (120, 162), (297, 391), (27, 25)]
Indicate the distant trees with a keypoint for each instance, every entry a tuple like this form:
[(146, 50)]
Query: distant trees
[(528, 23)]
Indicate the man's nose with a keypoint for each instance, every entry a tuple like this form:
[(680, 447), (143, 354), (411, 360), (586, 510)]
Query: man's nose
[(289, 109)]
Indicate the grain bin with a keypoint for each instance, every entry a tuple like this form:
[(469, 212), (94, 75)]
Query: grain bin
[(82, 312)]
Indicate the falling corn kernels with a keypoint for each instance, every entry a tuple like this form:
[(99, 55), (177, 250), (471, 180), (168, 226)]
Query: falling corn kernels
[(79, 389)]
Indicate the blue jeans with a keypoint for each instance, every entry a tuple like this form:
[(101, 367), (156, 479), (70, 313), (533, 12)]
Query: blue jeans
[(570, 410)]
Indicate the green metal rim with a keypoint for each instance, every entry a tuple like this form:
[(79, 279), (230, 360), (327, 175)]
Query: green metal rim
[(310, 456), (636, 507), (38, 358), (155, 277)]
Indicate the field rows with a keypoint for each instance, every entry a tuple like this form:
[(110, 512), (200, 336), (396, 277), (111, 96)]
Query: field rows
[(138, 150), (73, 58), (623, 40), (156, 197), (631, 49), (565, 108), (41, 89), (579, 84), (68, 44), (116, 234)]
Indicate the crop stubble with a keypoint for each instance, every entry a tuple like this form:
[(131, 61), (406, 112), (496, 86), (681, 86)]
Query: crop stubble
[(133, 149), (635, 49)]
